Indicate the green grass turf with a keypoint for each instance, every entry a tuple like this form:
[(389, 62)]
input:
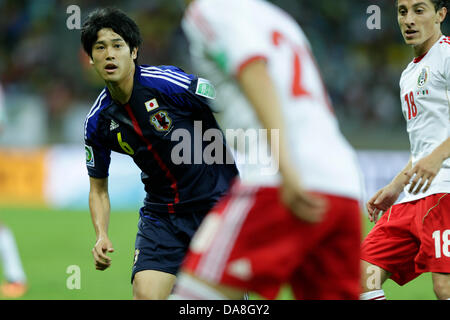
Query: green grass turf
[(52, 240)]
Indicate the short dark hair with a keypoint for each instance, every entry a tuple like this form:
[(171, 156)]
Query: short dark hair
[(112, 18), (438, 4)]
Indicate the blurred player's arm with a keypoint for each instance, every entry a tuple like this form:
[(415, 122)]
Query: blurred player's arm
[(2, 113), (257, 85), (100, 207), (2, 120)]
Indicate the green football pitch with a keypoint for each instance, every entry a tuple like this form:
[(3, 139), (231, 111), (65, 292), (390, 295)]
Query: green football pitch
[(52, 242)]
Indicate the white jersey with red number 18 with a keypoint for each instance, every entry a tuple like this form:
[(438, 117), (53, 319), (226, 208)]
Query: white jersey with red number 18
[(424, 93), (224, 36)]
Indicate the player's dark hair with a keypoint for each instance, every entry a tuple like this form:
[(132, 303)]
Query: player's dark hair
[(112, 18), (438, 4)]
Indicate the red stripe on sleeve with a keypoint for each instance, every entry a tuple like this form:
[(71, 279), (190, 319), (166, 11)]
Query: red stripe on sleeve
[(247, 61)]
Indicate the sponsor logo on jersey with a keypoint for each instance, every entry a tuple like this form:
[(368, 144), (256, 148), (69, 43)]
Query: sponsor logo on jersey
[(151, 105), (205, 89), (113, 125), (161, 121), (89, 156), (423, 77)]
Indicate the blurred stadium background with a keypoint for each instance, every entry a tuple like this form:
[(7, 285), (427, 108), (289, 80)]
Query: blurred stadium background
[(49, 87)]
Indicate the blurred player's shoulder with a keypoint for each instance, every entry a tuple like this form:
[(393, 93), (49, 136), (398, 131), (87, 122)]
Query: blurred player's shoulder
[(215, 8), (2, 108)]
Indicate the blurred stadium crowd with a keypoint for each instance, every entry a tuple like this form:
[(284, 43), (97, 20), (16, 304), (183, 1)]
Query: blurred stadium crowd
[(49, 87)]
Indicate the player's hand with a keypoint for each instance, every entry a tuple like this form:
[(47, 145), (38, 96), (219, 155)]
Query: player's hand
[(303, 204), (424, 172), (383, 200), (102, 246)]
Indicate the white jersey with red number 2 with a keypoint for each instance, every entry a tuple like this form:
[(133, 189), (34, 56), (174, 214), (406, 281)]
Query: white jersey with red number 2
[(425, 93), (224, 36)]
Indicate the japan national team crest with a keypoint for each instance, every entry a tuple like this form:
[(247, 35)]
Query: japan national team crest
[(161, 121), (423, 77)]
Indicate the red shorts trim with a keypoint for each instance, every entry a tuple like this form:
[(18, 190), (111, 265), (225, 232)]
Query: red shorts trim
[(251, 241), (403, 241)]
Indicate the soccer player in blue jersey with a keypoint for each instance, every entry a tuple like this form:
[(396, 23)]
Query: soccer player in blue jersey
[(136, 114)]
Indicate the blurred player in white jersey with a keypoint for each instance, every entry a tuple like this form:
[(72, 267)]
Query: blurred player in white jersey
[(15, 280), (2, 112), (413, 236), (300, 225)]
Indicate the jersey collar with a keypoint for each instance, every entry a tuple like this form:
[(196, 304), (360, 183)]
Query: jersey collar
[(418, 59)]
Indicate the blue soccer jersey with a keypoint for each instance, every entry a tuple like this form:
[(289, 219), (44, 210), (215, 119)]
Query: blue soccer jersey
[(164, 99)]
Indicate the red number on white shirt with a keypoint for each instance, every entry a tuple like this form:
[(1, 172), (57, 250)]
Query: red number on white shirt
[(412, 108), (298, 89), (297, 85)]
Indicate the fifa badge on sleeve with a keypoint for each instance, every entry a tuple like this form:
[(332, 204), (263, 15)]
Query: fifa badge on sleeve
[(89, 156), (205, 89)]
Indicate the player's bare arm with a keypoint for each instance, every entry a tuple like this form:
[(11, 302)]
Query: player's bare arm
[(99, 206), (257, 85), (428, 167), (386, 197)]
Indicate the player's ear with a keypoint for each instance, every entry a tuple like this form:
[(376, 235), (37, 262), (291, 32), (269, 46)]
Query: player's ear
[(134, 53), (442, 13), (91, 60)]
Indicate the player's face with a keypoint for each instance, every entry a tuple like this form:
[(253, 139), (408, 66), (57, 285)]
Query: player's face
[(111, 56), (419, 22)]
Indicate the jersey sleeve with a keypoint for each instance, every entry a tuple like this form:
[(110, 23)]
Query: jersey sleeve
[(185, 91), (98, 157), (201, 93), (98, 160), (198, 95), (230, 41)]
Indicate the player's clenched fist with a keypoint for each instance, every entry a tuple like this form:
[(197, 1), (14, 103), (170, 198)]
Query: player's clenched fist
[(102, 246)]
